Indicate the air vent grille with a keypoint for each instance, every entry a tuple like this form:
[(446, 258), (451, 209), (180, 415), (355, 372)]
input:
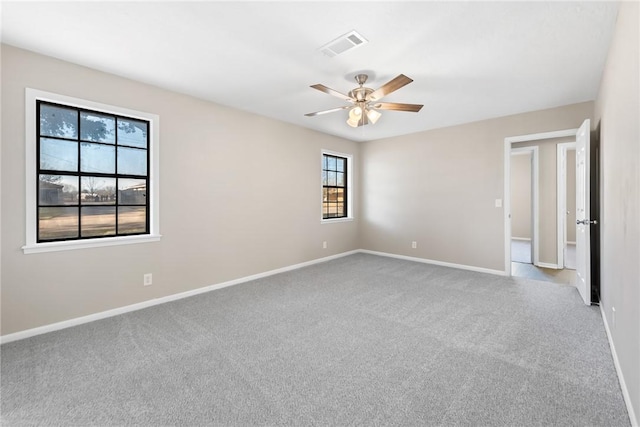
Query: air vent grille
[(345, 42)]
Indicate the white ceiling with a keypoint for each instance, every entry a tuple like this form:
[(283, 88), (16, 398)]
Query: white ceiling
[(469, 60)]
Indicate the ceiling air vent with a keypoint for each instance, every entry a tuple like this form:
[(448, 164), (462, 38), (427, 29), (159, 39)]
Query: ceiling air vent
[(345, 42)]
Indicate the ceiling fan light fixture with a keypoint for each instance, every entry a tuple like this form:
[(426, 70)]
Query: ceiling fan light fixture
[(355, 113), (353, 122), (373, 115)]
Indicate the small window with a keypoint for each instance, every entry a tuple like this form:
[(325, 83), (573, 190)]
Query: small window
[(336, 197), (89, 174)]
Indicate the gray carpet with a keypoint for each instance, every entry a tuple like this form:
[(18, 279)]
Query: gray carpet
[(362, 340)]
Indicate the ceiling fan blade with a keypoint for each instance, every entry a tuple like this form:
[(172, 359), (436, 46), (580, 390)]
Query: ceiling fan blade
[(390, 86), (397, 106), (318, 113), (323, 88)]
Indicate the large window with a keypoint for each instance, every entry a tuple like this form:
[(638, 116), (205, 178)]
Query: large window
[(335, 186), (91, 175)]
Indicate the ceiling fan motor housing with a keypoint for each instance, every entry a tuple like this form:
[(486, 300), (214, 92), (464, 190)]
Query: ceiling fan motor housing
[(360, 93)]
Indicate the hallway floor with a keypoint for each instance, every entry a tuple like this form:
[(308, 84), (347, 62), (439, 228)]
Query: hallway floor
[(530, 271)]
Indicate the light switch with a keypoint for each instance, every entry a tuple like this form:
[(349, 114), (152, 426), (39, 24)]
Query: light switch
[(498, 203)]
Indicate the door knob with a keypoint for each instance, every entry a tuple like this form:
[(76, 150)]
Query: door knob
[(587, 221)]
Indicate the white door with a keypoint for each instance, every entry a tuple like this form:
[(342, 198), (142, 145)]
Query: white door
[(583, 220)]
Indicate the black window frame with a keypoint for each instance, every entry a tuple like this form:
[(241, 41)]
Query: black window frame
[(326, 187), (79, 173)]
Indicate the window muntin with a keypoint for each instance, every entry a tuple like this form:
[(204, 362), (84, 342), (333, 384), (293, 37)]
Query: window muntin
[(92, 173), (334, 186)]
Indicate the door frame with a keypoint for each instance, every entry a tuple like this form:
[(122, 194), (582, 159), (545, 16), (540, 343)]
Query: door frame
[(508, 142), (535, 198), (561, 193)]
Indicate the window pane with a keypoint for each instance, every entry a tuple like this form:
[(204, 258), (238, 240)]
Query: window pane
[(324, 178), (58, 223), (324, 161), (332, 178), (132, 219), (340, 165), (341, 211), (132, 191), (340, 179), (98, 221), (97, 158), (60, 155), (340, 194), (97, 127), (333, 209), (132, 161), (132, 133), (97, 191), (58, 121), (332, 195), (331, 163), (58, 190)]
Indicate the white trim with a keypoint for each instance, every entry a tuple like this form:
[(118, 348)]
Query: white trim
[(331, 220), (561, 197), (31, 246), (350, 173), (548, 265), (156, 301), (524, 239), (561, 202), (434, 262), (616, 362), (539, 136), (507, 207), (507, 181), (89, 243), (535, 204)]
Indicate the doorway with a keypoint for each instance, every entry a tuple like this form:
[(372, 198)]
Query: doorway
[(532, 205), (524, 205)]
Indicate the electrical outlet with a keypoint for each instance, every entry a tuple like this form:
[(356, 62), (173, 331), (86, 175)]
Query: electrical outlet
[(414, 245), (324, 245), (147, 279)]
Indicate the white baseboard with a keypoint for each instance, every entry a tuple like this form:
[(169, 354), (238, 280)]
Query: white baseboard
[(548, 265), (526, 239), (616, 363), (434, 262), (156, 301)]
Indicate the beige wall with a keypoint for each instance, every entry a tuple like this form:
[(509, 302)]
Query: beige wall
[(521, 196), (617, 109), (571, 196), (239, 195), (439, 187)]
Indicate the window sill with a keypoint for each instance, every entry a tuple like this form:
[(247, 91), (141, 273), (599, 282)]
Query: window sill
[(90, 243), (331, 220)]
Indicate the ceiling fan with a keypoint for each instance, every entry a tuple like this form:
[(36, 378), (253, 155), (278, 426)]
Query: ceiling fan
[(364, 100)]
